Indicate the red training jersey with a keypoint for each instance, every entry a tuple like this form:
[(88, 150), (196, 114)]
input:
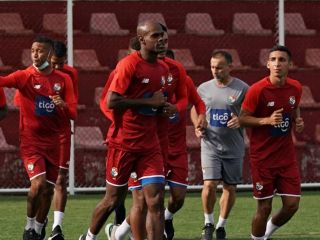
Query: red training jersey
[(134, 129), (103, 99), (40, 120), (2, 98), (272, 146), (177, 124)]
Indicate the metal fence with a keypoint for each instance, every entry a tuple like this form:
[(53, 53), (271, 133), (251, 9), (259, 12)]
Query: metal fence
[(97, 38)]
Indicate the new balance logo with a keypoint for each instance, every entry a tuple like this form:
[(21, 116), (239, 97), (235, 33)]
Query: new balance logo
[(145, 80), (270, 104)]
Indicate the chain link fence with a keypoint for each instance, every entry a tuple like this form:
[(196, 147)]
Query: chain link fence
[(101, 33)]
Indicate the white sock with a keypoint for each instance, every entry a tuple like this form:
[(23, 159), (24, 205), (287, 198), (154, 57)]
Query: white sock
[(38, 226), (270, 229), (30, 223), (90, 236), (208, 218), (222, 222), (168, 215), (57, 219), (122, 230), (256, 238)]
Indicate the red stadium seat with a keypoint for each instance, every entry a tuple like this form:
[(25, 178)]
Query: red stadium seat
[(312, 57), (86, 59), (10, 92), (294, 24), (4, 146), (236, 62), (158, 17), (26, 57), (307, 99), (184, 56), (89, 137), (122, 53), (12, 23), (201, 24), (106, 24), (249, 24), (97, 95), (56, 23), (4, 67)]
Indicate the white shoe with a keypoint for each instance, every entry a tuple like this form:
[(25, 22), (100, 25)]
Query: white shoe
[(108, 230)]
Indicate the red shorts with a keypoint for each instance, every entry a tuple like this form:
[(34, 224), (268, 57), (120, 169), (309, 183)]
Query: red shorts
[(120, 164), (65, 145), (177, 169), (280, 181), (40, 160)]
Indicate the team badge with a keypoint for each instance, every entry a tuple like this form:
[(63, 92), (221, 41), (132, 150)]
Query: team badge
[(30, 166), (231, 99), (292, 100), (134, 176), (163, 80), (37, 86), (114, 172), (170, 78), (259, 186), (57, 87)]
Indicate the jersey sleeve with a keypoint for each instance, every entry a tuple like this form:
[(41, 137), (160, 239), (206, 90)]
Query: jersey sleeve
[(181, 90), (15, 80), (194, 97), (69, 98), (103, 98), (2, 98), (122, 77), (251, 99)]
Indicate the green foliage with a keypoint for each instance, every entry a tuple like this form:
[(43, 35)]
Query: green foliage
[(188, 221)]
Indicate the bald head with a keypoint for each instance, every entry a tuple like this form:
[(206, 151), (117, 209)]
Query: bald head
[(145, 27)]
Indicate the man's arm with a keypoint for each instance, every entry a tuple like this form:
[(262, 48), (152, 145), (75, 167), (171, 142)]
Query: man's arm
[(247, 120), (3, 112)]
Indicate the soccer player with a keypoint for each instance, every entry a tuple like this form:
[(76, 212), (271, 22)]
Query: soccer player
[(222, 143), (3, 105), (58, 60), (46, 98), (271, 107), (133, 145)]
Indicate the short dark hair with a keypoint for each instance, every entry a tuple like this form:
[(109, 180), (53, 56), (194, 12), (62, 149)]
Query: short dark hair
[(225, 54), (59, 49), (170, 53), (43, 39), (281, 48), (134, 43), (164, 28)]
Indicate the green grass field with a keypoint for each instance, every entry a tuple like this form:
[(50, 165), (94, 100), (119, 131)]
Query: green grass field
[(188, 222)]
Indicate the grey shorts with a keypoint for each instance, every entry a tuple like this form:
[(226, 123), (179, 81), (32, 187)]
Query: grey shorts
[(229, 170)]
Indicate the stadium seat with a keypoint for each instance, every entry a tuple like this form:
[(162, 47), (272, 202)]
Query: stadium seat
[(86, 59), (89, 137), (312, 57), (97, 95), (201, 24), (26, 57), (106, 24), (10, 92), (4, 67), (307, 99), (249, 24), (158, 17), (192, 141), (12, 23), (122, 53), (184, 56), (56, 23), (236, 62), (264, 55), (294, 24), (4, 146)]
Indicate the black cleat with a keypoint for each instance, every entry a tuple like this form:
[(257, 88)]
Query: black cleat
[(220, 233), (31, 234), (169, 230), (207, 232), (43, 231), (56, 234)]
